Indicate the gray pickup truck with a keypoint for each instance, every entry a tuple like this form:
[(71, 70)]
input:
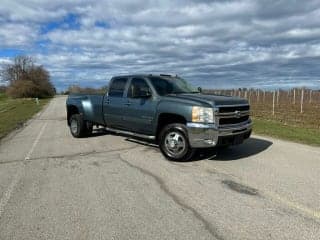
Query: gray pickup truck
[(165, 109)]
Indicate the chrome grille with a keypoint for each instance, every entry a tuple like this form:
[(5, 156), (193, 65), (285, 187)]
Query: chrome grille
[(230, 115), (234, 108), (223, 121)]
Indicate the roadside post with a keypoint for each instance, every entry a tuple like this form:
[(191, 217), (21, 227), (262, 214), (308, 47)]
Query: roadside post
[(273, 101), (301, 104)]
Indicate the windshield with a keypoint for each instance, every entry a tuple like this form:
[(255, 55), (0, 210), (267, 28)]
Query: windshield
[(171, 85)]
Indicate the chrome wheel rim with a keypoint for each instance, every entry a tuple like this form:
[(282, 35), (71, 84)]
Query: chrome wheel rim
[(74, 126), (175, 143)]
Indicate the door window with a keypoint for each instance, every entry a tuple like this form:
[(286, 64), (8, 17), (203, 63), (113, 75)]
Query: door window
[(117, 87), (138, 87)]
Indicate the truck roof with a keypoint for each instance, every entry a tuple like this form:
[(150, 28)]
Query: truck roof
[(148, 75)]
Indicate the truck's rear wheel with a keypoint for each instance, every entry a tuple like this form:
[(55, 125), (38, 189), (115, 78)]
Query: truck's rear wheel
[(79, 127), (174, 143)]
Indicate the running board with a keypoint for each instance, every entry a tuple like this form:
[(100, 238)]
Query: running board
[(131, 133)]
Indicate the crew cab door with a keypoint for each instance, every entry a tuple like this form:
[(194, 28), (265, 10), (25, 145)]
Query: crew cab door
[(113, 106), (141, 107)]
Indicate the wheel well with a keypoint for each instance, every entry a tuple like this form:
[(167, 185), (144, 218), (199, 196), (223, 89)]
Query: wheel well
[(70, 111), (168, 118)]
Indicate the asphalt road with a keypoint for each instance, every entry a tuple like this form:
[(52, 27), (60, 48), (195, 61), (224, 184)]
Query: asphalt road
[(53, 186)]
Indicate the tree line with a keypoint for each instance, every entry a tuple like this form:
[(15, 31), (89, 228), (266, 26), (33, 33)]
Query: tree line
[(26, 79), (76, 89)]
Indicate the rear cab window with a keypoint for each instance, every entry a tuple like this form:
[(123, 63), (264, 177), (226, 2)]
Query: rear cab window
[(117, 87)]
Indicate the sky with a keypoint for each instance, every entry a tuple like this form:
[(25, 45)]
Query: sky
[(213, 44)]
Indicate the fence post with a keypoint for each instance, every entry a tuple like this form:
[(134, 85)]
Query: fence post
[(264, 96), (258, 95), (302, 93), (278, 93), (273, 101), (310, 100), (294, 96)]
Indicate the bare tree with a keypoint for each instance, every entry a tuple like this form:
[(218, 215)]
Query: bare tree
[(18, 69), (26, 79)]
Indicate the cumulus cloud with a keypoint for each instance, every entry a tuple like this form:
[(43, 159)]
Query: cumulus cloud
[(17, 35), (213, 43)]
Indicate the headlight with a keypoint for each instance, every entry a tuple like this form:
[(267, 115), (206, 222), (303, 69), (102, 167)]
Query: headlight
[(202, 115)]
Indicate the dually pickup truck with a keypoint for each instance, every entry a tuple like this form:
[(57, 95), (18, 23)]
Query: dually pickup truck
[(165, 109)]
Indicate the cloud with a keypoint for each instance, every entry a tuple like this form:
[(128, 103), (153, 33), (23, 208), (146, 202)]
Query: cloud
[(16, 35), (212, 43)]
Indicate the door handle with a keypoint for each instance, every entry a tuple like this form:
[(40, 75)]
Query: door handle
[(128, 103)]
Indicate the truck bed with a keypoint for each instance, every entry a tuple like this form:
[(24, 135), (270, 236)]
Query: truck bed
[(92, 104)]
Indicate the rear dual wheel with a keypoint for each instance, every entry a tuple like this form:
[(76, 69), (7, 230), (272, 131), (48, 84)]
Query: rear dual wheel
[(78, 127), (174, 143)]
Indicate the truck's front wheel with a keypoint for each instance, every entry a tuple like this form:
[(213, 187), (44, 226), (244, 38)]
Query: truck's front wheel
[(174, 143), (79, 127)]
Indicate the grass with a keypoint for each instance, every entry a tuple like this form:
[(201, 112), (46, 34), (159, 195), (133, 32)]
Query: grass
[(279, 130), (14, 112)]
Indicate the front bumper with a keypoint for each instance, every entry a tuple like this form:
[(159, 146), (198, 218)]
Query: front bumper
[(209, 135)]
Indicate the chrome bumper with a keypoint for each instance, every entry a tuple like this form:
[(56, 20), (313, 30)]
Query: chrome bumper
[(207, 135)]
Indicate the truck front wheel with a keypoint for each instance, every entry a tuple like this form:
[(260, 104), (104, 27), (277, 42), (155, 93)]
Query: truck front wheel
[(174, 143), (79, 127)]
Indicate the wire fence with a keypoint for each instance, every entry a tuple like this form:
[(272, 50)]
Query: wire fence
[(298, 106)]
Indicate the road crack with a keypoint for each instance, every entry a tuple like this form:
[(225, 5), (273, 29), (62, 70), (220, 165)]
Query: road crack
[(82, 154), (240, 188), (207, 225), (70, 156)]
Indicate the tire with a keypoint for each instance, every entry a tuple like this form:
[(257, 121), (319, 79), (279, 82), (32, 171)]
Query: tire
[(78, 127), (174, 142)]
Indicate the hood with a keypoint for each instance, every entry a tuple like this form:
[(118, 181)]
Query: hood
[(213, 100)]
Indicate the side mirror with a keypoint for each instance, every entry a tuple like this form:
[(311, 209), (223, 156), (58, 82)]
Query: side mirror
[(200, 89)]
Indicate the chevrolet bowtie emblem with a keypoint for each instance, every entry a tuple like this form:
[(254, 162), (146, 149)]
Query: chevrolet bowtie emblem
[(238, 114)]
